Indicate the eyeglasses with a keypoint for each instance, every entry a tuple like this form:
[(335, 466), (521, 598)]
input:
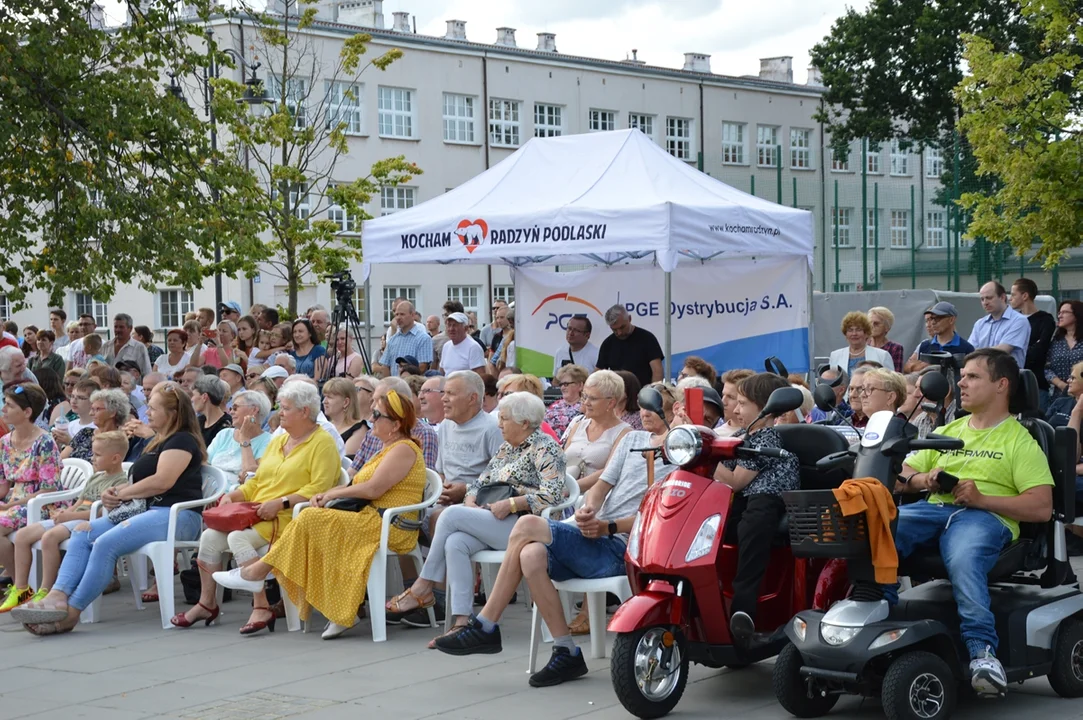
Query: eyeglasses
[(592, 398), (504, 394), (576, 331), (71, 383), (253, 376), (566, 385), (430, 391), (362, 388), (80, 398), (376, 415)]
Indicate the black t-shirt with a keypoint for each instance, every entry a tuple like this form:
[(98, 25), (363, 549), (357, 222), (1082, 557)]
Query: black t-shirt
[(497, 337), (1042, 327), (634, 354), (210, 431), (189, 485)]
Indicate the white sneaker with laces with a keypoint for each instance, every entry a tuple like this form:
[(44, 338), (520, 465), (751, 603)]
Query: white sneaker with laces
[(987, 675), (334, 630)]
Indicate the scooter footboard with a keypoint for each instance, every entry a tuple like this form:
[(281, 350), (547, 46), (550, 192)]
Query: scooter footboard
[(648, 609)]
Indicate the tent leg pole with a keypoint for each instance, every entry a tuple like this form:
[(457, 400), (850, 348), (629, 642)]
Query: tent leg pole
[(811, 338), (667, 300)]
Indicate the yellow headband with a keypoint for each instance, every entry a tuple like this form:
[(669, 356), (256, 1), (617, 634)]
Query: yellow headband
[(395, 402)]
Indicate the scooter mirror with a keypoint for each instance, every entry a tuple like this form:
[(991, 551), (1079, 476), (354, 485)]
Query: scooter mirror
[(824, 395), (774, 365), (934, 386), (782, 401), (651, 401)]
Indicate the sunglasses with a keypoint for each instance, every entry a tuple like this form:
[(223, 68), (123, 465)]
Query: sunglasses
[(253, 376)]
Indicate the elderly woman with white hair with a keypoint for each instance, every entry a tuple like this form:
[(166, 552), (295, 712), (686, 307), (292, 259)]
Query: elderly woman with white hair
[(801, 414), (297, 465), (13, 367), (527, 472), (237, 450), (591, 437), (881, 319), (109, 410)]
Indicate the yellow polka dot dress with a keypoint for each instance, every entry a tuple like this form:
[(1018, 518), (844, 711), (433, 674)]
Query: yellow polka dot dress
[(323, 558)]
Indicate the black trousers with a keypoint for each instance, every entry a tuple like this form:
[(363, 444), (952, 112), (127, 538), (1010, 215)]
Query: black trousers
[(752, 524)]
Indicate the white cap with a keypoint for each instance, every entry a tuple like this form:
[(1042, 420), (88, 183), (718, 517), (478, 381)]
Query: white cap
[(275, 371), (459, 317)]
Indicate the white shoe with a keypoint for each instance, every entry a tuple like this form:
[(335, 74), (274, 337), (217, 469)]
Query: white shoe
[(334, 630), (233, 579), (987, 675)]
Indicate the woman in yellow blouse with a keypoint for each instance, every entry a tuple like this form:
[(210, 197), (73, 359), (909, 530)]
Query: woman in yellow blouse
[(322, 561), (298, 464)]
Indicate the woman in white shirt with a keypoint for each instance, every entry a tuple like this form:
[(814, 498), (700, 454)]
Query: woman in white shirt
[(236, 450), (176, 358)]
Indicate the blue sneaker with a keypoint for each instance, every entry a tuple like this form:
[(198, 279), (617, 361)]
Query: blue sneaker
[(562, 666), (471, 639)]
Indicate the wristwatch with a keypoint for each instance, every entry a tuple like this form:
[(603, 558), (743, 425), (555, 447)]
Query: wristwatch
[(286, 503), (613, 528), (246, 443)]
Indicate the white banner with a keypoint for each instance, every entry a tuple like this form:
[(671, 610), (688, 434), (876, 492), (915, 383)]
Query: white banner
[(733, 314)]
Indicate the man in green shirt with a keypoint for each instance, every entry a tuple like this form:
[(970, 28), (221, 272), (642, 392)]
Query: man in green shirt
[(1004, 479)]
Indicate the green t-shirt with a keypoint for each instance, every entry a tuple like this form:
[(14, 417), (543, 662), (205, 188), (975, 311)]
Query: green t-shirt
[(1003, 461), (98, 483)]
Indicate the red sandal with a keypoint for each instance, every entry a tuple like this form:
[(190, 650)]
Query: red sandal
[(181, 620)]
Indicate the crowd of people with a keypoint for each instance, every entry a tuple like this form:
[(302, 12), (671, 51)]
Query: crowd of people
[(260, 400)]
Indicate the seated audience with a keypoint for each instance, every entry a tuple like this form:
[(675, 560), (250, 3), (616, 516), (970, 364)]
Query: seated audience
[(321, 419), (926, 420), (630, 413), (306, 348), (207, 398), (80, 403), (794, 417), (342, 407), (109, 410), (431, 400), (569, 379), (530, 384), (47, 356), (697, 367), (883, 389), (1062, 409), (591, 437), (421, 432), (237, 450), (731, 379), (49, 382), (491, 399)]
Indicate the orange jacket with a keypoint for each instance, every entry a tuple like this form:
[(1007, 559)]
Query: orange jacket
[(868, 495)]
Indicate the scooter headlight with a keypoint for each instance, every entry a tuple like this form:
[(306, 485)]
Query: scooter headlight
[(799, 628), (683, 444), (704, 540), (633, 538), (886, 638), (838, 634)]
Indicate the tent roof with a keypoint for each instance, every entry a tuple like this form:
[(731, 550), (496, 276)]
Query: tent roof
[(597, 198)]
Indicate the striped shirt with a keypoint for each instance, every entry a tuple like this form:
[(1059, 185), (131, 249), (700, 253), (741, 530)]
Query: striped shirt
[(414, 342), (423, 432)]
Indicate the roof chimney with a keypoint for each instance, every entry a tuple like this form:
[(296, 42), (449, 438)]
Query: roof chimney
[(777, 69), (697, 62), (815, 77), (401, 22), (547, 42), (365, 13), (505, 36), (96, 16), (456, 30), (634, 60)]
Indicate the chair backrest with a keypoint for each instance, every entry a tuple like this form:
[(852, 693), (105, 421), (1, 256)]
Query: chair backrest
[(214, 480), (810, 443), (433, 485), (343, 478), (571, 489), (346, 463), (75, 472), (126, 467)]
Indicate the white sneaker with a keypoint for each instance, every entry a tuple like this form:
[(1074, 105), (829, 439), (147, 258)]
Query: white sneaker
[(987, 675), (333, 630)]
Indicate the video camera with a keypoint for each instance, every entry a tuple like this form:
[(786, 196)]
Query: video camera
[(342, 284)]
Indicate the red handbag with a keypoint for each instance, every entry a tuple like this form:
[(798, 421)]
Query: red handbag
[(232, 516)]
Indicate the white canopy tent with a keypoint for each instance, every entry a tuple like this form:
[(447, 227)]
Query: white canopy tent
[(599, 198)]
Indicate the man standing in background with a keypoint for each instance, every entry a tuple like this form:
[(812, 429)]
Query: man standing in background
[(1042, 327)]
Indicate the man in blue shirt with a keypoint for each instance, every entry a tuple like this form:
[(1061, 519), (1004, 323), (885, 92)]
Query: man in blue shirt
[(1003, 328), (940, 323), (410, 338)]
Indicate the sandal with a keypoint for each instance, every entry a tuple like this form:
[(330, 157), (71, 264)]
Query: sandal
[(43, 629), (581, 624), (394, 605), (150, 597), (454, 629)]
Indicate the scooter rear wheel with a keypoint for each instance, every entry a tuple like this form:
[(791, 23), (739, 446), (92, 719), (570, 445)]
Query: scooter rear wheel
[(1066, 676), (643, 686), (792, 690), (919, 686)]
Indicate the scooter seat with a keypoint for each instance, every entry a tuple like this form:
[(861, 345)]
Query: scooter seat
[(929, 565)]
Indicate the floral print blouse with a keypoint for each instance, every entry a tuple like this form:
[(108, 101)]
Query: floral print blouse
[(560, 415), (82, 444), (26, 472), (633, 419), (1060, 360), (535, 468)]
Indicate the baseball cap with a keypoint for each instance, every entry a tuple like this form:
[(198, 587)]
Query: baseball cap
[(943, 309), (127, 365), (275, 371), (230, 305), (408, 359), (459, 317), (710, 395), (234, 367)]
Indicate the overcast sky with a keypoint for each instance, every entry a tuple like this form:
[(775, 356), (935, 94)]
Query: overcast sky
[(736, 33)]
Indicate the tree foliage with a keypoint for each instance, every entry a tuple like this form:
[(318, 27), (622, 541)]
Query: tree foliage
[(1023, 113), (298, 146), (104, 178)]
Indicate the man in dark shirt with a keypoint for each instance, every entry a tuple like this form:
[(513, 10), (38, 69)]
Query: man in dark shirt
[(1042, 327), (630, 348), (940, 324)]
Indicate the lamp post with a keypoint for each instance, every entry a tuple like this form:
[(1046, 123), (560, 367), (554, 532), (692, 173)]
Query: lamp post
[(254, 96)]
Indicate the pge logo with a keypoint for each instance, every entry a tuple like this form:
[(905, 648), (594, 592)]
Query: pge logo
[(472, 233), (561, 319)]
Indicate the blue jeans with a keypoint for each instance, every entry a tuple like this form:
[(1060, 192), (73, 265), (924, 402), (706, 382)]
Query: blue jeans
[(970, 542), (573, 556), (92, 555)]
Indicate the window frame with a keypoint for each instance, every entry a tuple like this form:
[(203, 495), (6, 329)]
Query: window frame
[(79, 308), (899, 160), (185, 303), (934, 157), (769, 149), (733, 151), (797, 150), (548, 112), (340, 104), (873, 151), (895, 228), (393, 115), (635, 120), (596, 120), (348, 224), (844, 230), (504, 292), (407, 198), (675, 140), (871, 240), (940, 230), (456, 292), (503, 124), (460, 122), (297, 91), (410, 292)]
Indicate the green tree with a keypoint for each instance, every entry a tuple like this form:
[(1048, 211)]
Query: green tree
[(1022, 115), (105, 179), (297, 147)]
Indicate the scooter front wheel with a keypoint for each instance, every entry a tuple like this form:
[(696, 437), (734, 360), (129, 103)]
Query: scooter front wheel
[(793, 692), (649, 670), (919, 686)]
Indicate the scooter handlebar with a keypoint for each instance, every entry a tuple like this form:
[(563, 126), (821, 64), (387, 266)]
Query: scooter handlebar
[(766, 452), (936, 442)]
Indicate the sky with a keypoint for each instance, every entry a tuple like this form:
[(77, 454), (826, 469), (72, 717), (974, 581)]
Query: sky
[(735, 33)]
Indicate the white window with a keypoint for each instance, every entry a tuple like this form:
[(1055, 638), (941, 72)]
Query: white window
[(396, 112), (601, 120), (900, 228), (872, 158), (459, 121), (841, 227), (5, 307), (393, 199), (800, 149), (645, 123), (466, 294), (840, 159), (393, 293), (679, 137), (346, 223), (344, 107), (295, 95), (900, 159), (299, 201), (935, 233), (360, 304), (548, 120), (504, 123), (845, 287), (872, 237), (733, 143), (766, 146), (934, 162), (86, 305), (504, 292), (172, 306)]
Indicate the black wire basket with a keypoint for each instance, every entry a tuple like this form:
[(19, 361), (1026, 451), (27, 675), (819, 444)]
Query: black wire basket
[(818, 529)]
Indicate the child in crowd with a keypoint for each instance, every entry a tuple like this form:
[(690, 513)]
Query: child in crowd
[(263, 343), (92, 347), (758, 483), (108, 454)]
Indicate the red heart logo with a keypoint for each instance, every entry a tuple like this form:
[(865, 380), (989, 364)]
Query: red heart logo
[(469, 235)]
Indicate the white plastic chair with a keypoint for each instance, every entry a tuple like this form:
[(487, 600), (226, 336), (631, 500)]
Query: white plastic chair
[(162, 554), (376, 591), (595, 591), (488, 558), (73, 478)]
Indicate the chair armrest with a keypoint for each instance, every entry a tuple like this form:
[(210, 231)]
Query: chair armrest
[(299, 507), (391, 513), (174, 510), (35, 505), (97, 510)]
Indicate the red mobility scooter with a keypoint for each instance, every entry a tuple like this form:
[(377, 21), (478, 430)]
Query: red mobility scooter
[(681, 571)]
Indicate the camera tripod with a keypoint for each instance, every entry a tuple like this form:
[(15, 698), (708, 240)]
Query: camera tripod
[(344, 314)]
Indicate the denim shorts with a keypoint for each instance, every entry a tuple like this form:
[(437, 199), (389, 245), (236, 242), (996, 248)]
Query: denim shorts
[(573, 556)]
